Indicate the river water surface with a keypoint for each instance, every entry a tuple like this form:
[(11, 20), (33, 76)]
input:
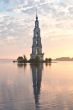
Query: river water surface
[(36, 87)]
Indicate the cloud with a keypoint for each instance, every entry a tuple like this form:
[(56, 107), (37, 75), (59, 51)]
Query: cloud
[(17, 21)]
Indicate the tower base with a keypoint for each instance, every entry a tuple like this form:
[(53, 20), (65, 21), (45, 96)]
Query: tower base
[(40, 56)]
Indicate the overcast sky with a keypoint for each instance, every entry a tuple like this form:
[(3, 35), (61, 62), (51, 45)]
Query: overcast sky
[(17, 23)]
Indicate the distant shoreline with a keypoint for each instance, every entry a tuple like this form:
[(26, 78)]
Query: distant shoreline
[(64, 59), (56, 59)]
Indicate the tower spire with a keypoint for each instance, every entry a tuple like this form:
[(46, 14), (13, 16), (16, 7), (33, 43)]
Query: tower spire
[(36, 14)]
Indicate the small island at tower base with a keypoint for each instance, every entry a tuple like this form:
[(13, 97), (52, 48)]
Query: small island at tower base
[(36, 60)]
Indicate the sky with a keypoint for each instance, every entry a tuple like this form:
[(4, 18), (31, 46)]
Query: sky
[(17, 23)]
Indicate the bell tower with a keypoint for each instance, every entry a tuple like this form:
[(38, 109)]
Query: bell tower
[(37, 46)]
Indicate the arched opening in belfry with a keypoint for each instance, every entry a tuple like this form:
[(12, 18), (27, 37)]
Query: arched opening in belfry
[(36, 51)]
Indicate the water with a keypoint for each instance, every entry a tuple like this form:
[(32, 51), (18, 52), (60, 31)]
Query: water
[(30, 87)]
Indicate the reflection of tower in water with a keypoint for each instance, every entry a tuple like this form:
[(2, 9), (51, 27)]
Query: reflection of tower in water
[(36, 79)]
